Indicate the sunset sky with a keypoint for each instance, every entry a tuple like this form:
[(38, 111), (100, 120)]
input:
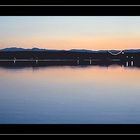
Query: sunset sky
[(70, 32)]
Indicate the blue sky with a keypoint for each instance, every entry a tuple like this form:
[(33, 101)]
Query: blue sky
[(64, 32)]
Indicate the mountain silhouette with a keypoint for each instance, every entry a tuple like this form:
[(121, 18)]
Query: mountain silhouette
[(14, 49)]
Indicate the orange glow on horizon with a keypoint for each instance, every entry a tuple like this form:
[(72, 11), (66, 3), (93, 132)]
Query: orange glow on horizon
[(88, 75), (91, 43)]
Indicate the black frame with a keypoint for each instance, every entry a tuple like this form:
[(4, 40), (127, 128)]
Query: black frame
[(70, 11)]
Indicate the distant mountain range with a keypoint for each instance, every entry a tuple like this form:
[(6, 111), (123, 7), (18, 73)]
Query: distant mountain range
[(14, 49)]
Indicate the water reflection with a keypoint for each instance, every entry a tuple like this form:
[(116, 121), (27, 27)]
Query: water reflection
[(37, 64), (99, 93)]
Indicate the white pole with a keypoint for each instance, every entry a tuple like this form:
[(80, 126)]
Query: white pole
[(132, 63), (90, 61), (36, 60), (127, 64), (14, 60)]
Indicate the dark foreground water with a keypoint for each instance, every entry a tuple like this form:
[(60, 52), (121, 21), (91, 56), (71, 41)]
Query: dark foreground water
[(71, 95)]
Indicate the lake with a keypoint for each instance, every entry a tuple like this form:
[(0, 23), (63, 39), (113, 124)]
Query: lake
[(70, 95)]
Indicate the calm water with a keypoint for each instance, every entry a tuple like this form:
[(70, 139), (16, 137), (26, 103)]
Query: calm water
[(71, 95)]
